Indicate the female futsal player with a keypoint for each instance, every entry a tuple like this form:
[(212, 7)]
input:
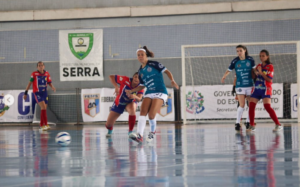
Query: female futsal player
[(151, 77), (123, 101), (40, 79), (263, 90), (243, 65)]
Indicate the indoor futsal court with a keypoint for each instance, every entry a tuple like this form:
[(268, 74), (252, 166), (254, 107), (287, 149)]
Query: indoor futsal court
[(139, 93), (192, 155)]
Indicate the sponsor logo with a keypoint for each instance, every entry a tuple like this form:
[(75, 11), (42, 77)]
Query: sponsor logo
[(91, 104), (167, 108), (160, 65), (121, 78), (81, 44), (194, 102)]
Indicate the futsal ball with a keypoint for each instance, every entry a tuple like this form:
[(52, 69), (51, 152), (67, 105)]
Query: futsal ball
[(63, 139)]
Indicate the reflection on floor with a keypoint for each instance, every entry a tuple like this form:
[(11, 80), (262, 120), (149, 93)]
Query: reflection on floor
[(192, 155)]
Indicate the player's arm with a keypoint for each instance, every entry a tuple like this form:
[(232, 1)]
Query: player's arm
[(112, 79), (234, 84), (52, 87), (169, 74), (49, 81), (26, 90), (260, 72), (137, 89), (137, 97), (225, 75)]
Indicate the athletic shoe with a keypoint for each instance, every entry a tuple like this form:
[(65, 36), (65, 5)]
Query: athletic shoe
[(150, 137), (136, 137), (277, 128), (43, 128), (109, 133), (251, 128), (247, 125), (48, 127), (237, 127)]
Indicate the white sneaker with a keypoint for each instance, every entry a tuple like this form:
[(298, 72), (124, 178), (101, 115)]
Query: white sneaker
[(48, 127), (150, 137), (43, 128), (277, 128)]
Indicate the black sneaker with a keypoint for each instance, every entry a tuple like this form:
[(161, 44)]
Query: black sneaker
[(237, 127), (247, 125)]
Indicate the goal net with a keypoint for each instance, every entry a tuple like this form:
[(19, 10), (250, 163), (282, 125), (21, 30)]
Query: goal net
[(204, 97)]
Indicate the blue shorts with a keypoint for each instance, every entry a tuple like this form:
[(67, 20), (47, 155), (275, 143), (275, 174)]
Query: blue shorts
[(41, 96), (259, 94), (118, 109)]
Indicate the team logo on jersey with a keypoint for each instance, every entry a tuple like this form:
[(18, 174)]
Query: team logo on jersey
[(239, 65), (247, 64), (81, 44), (3, 107), (149, 69), (142, 75), (194, 102), (167, 108), (91, 104)]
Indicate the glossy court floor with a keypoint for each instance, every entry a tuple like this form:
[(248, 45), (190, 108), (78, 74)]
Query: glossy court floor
[(192, 155)]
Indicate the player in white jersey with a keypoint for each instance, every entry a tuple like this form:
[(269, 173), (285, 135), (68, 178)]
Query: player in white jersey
[(151, 77), (243, 65)]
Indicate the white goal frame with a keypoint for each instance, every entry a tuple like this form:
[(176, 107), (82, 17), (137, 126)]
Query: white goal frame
[(183, 62)]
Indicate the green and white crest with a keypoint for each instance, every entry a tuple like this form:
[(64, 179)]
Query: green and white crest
[(81, 44)]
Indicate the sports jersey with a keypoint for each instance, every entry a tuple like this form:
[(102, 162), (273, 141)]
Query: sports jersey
[(152, 78), (261, 83), (39, 81), (243, 70), (125, 84)]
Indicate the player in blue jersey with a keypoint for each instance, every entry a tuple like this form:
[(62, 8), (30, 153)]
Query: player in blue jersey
[(243, 65), (151, 77), (122, 101)]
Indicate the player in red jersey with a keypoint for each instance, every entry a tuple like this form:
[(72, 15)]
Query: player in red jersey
[(263, 90), (39, 80), (123, 101)]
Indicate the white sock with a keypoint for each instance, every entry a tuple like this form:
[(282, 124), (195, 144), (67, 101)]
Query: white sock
[(141, 125), (240, 111), (152, 124)]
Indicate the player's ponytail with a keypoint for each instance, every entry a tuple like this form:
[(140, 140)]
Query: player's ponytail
[(267, 54), (245, 48), (148, 52)]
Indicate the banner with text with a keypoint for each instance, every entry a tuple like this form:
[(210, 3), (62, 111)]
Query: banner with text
[(96, 104), (294, 103), (216, 102), (13, 108), (81, 55)]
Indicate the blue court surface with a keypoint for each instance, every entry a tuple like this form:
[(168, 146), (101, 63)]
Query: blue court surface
[(191, 155)]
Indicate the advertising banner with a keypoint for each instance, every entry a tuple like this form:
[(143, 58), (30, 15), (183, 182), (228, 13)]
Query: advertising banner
[(217, 102), (96, 104), (81, 55), (13, 108)]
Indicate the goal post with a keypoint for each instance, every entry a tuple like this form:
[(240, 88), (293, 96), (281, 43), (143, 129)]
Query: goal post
[(204, 65)]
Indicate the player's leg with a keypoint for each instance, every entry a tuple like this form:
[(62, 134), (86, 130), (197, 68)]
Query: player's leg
[(114, 113), (154, 109), (252, 106), (39, 99), (45, 113), (248, 94), (240, 110), (138, 136), (269, 109), (131, 108)]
